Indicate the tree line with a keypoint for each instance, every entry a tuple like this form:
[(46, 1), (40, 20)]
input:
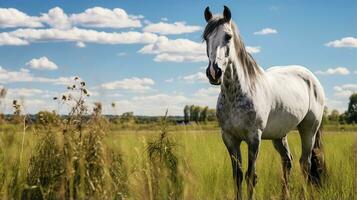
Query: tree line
[(195, 113), (347, 117)]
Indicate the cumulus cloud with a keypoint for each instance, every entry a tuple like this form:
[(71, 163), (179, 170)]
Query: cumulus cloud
[(8, 39), (82, 35), (42, 63), (24, 75), (14, 93), (153, 104), (206, 92), (156, 104), (180, 50), (340, 105), (11, 18), (96, 17), (266, 31), (253, 50), (170, 57), (345, 91), (80, 44), (99, 17), (205, 97), (171, 29), (177, 50), (56, 18), (196, 77), (133, 84), (337, 70), (344, 42)]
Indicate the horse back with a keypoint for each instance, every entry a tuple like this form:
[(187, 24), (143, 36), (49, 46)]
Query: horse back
[(294, 91)]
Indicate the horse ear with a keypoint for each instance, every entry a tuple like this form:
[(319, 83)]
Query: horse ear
[(227, 14), (208, 14)]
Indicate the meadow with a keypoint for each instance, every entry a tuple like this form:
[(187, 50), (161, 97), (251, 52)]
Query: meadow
[(156, 162)]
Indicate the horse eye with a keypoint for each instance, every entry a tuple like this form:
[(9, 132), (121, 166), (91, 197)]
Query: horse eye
[(227, 37)]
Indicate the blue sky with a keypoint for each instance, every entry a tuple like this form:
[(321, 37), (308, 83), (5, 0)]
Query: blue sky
[(149, 57)]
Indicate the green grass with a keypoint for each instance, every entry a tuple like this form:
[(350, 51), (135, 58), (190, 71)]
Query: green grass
[(203, 164)]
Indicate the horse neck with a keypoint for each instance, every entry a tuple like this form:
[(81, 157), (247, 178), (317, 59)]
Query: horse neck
[(235, 80)]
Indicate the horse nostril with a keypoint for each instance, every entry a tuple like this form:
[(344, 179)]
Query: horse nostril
[(218, 73)]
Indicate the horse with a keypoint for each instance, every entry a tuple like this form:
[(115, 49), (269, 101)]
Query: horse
[(256, 104)]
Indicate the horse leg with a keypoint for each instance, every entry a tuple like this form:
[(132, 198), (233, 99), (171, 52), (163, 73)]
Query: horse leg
[(307, 130), (253, 149), (233, 147), (281, 145)]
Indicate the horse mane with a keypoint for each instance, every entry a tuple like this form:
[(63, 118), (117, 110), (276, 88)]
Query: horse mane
[(250, 67)]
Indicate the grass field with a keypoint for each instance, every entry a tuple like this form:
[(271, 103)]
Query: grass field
[(203, 169)]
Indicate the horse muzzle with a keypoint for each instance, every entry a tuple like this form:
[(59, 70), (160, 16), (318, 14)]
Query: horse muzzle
[(214, 74)]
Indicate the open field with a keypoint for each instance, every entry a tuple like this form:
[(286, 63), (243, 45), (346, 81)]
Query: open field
[(203, 169)]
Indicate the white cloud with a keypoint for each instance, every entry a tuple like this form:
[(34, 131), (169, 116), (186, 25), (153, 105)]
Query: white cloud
[(345, 91), (134, 84), (122, 54), (337, 70), (181, 50), (253, 50), (11, 18), (56, 18), (80, 45), (14, 93), (168, 29), (197, 77), (7, 39), (336, 104), (99, 17), (344, 42), (177, 50), (164, 19), (266, 31), (154, 104), (205, 92), (82, 35), (24, 75), (168, 57), (206, 97), (42, 63), (181, 46), (96, 17)]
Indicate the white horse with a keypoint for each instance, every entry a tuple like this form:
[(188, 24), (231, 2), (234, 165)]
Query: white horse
[(255, 104)]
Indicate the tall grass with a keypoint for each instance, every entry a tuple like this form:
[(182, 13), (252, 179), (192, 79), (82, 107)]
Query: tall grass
[(86, 157), (121, 167), (165, 178)]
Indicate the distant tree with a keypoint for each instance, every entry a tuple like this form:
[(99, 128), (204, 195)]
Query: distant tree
[(196, 113), (211, 115), (192, 107), (334, 116), (342, 119), (203, 115), (127, 117), (352, 109), (186, 113)]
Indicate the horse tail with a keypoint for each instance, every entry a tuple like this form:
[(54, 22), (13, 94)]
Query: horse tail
[(318, 165)]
